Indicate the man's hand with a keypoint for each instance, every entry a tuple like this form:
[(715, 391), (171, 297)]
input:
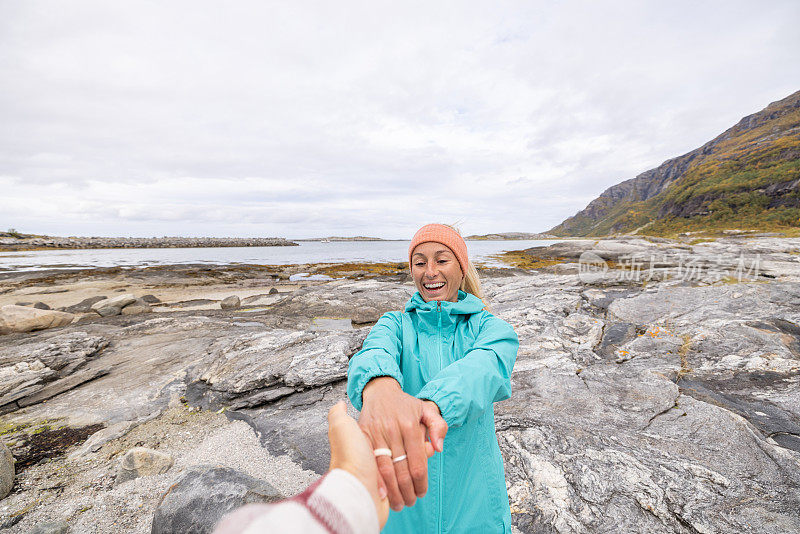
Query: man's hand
[(352, 451), (395, 420)]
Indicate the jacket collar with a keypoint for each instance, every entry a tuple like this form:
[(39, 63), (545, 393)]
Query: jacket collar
[(467, 304)]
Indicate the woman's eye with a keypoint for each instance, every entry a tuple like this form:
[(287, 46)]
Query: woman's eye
[(442, 261), (419, 264)]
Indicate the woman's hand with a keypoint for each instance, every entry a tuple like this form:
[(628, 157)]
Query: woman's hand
[(395, 420), (352, 451)]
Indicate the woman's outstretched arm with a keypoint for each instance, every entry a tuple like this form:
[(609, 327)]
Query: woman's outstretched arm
[(379, 356), (393, 420)]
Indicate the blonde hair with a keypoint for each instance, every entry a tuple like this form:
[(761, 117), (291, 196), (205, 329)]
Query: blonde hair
[(471, 282)]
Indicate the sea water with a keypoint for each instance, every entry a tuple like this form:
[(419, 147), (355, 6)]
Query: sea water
[(306, 252)]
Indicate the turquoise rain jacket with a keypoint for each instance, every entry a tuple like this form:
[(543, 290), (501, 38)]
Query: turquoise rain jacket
[(460, 357)]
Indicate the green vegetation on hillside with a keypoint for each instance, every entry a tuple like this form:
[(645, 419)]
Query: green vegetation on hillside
[(745, 181)]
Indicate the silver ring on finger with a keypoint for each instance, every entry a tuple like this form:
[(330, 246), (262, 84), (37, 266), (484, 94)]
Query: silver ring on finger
[(400, 458)]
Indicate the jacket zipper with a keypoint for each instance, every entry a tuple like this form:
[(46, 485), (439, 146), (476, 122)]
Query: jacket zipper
[(441, 455)]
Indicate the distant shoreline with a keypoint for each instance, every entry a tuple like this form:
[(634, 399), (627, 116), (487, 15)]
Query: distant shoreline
[(28, 243)]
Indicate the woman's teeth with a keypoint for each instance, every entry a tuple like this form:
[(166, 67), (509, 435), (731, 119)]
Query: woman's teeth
[(434, 286)]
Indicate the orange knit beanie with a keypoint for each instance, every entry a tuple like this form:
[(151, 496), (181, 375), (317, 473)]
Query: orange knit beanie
[(439, 233)]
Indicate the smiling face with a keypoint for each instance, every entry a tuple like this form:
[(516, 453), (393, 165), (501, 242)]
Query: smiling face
[(436, 272)]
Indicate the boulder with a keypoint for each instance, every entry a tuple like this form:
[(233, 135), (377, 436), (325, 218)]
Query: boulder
[(24, 319), (51, 527), (142, 462), (151, 299), (114, 305), (41, 306), (273, 291), (85, 305), (202, 495), (136, 307), (6, 470), (230, 303)]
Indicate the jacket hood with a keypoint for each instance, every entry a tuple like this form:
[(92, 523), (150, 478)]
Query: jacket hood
[(467, 304)]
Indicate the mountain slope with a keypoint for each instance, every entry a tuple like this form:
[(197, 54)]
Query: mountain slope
[(748, 177)]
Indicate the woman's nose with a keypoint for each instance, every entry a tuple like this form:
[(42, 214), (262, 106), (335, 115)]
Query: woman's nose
[(430, 271)]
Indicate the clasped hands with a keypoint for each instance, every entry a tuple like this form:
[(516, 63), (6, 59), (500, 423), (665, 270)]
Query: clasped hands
[(410, 430)]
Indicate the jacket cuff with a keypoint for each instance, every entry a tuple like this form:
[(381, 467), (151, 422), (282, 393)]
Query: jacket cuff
[(447, 403), (373, 369)]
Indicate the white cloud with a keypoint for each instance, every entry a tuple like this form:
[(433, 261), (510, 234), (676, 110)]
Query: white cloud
[(314, 118)]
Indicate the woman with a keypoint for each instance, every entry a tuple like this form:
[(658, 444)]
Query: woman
[(438, 367)]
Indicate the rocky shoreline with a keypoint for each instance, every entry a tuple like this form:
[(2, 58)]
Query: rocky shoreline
[(657, 387), (9, 243)]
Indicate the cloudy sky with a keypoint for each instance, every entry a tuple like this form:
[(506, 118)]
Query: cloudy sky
[(303, 119)]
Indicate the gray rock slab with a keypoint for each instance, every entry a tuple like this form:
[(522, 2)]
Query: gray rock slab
[(363, 301), (331, 323), (64, 384), (27, 368), (740, 395), (149, 357), (655, 456), (192, 303), (260, 366), (683, 468), (201, 496), (56, 352), (685, 305)]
